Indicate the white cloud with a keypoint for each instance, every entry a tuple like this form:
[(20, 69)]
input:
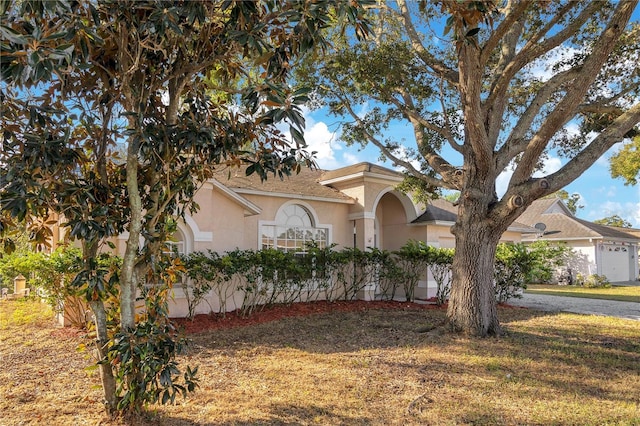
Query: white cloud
[(502, 182), (350, 158), (320, 139), (551, 165)]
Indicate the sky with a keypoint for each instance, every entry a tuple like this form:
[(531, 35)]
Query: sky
[(600, 194)]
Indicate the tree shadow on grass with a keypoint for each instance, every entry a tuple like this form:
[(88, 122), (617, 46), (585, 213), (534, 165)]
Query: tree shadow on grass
[(278, 414)]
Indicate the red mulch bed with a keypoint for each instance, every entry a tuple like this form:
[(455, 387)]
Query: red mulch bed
[(271, 313)]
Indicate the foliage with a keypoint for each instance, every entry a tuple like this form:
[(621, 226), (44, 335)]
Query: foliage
[(260, 278), (411, 260), (144, 358), (440, 262), (478, 104), (204, 273), (513, 264), (22, 262), (546, 257), (626, 162), (614, 220), (596, 281)]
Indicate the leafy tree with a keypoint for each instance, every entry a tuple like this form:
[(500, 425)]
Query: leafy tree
[(115, 112), (496, 95), (626, 162), (614, 220), (571, 201)]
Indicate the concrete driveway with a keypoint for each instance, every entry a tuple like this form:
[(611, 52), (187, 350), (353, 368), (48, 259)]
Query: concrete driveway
[(613, 308)]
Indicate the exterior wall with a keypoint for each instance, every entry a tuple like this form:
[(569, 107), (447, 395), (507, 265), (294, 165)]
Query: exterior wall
[(586, 261), (392, 230)]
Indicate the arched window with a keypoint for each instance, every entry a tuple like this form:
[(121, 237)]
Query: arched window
[(293, 230), (177, 243)]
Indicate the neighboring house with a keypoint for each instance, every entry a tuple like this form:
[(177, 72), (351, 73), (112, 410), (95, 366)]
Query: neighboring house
[(601, 249), (355, 206)]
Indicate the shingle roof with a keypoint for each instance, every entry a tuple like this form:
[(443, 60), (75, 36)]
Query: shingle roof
[(443, 210), (306, 183), (438, 210), (560, 224)]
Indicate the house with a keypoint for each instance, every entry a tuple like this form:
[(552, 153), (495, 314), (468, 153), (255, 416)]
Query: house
[(602, 250), (354, 206)]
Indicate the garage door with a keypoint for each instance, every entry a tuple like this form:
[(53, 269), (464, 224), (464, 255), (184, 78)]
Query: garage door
[(615, 262)]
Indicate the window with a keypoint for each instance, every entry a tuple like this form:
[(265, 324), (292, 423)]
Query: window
[(294, 228), (176, 244)]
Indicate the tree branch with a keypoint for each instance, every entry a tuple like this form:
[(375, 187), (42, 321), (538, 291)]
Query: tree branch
[(566, 108), (437, 66)]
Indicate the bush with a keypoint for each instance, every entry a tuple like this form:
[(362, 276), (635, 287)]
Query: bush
[(545, 258), (596, 281), (513, 265)]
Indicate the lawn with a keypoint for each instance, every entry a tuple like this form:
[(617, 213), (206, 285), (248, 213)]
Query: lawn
[(624, 294), (348, 367)]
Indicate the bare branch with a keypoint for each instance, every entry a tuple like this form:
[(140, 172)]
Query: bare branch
[(439, 164)]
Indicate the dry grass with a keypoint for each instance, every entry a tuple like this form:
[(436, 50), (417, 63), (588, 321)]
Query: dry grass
[(621, 293), (372, 367)]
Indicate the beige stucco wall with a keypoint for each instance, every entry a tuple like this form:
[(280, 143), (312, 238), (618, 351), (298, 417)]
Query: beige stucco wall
[(224, 223)]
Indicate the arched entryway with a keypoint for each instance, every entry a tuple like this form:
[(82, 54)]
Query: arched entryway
[(392, 216)]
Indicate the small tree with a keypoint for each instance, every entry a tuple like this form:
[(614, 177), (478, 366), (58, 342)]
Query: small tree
[(115, 112)]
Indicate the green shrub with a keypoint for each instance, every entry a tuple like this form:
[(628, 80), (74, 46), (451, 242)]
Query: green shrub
[(513, 265)]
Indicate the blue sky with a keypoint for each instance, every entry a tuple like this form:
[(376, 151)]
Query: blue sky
[(601, 195)]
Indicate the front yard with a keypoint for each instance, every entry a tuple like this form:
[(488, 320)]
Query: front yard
[(353, 367), (623, 294)]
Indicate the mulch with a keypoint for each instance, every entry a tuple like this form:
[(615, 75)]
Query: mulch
[(216, 321)]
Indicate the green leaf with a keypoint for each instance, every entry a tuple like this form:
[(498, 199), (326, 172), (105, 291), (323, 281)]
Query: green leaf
[(12, 36)]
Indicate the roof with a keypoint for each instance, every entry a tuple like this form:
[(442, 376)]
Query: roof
[(441, 210), (358, 170), (562, 225), (438, 210), (532, 214), (304, 184)]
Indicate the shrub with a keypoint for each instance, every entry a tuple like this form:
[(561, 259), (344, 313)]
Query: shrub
[(513, 265), (545, 258), (596, 281)]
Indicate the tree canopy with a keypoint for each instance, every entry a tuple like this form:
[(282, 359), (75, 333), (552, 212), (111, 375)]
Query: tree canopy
[(487, 87), (625, 163), (614, 220)]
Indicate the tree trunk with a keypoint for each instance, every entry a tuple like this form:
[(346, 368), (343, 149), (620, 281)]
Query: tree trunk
[(106, 373), (128, 273), (472, 303), (90, 251)]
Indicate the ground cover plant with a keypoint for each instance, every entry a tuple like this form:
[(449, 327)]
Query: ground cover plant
[(345, 363), (621, 293)]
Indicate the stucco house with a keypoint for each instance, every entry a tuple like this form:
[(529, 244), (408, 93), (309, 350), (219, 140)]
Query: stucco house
[(355, 206), (602, 250)]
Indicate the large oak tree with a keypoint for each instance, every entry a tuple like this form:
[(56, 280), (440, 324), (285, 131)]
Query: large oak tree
[(488, 86)]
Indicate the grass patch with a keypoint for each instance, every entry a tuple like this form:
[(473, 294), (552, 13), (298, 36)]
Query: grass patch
[(365, 367), (621, 293)]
